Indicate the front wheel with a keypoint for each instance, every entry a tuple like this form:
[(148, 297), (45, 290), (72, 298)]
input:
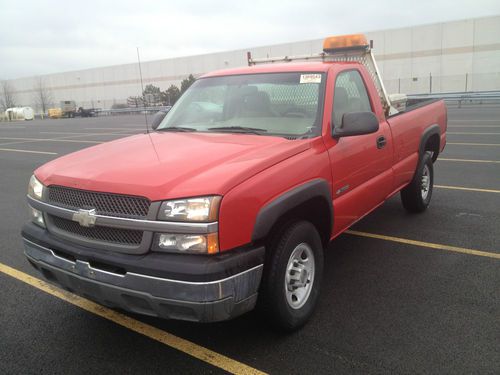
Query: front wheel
[(292, 276), (417, 195)]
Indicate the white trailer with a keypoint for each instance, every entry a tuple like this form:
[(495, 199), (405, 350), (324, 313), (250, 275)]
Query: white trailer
[(19, 114)]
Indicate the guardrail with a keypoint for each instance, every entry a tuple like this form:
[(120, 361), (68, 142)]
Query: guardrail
[(148, 110), (476, 97)]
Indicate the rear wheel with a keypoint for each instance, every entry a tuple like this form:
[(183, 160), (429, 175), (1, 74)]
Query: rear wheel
[(292, 276), (417, 195)]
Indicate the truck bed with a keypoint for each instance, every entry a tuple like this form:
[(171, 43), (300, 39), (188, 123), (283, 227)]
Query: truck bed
[(408, 127), (412, 104)]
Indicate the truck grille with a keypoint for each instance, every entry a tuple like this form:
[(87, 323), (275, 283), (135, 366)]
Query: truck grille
[(106, 234), (107, 204), (104, 203)]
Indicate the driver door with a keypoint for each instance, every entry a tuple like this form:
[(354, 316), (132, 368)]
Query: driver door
[(361, 165)]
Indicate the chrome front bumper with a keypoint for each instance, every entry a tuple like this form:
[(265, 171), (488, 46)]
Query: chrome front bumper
[(167, 298)]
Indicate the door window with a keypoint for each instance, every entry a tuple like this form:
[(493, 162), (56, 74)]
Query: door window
[(349, 96)]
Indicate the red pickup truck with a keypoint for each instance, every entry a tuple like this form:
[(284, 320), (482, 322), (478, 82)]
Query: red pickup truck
[(231, 200)]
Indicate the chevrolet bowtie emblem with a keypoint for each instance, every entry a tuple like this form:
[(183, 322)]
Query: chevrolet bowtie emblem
[(86, 218)]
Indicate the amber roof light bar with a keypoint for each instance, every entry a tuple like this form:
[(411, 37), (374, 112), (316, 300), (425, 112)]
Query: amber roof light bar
[(341, 43)]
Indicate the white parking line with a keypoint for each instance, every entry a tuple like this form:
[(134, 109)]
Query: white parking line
[(13, 143), (474, 121), (28, 151), (469, 133), (473, 126), (472, 144), (48, 140), (116, 128), (89, 134)]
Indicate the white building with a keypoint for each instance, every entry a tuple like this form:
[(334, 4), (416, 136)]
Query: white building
[(459, 56)]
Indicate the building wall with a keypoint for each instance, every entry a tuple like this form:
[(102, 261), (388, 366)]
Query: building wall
[(444, 57)]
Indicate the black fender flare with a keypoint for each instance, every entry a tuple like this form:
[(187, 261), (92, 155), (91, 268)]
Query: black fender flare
[(429, 132), (270, 213)]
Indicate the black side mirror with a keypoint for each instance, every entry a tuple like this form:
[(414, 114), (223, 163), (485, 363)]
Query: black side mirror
[(357, 123), (158, 118)]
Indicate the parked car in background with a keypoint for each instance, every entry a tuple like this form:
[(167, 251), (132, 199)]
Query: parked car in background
[(82, 112)]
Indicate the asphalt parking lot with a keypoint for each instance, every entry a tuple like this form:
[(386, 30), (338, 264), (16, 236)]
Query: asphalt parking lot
[(389, 305)]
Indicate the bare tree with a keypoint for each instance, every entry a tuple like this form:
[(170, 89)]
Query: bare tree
[(7, 97), (43, 95), (135, 101)]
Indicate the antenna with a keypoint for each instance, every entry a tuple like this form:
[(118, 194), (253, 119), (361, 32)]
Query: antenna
[(142, 92)]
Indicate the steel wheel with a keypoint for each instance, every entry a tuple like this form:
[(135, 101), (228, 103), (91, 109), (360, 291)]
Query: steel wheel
[(425, 183), (291, 281), (417, 195), (299, 277)]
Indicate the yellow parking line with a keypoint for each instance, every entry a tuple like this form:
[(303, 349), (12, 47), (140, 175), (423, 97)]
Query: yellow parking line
[(473, 133), (185, 346), (426, 244), (466, 188), (472, 144), (28, 151), (470, 160)]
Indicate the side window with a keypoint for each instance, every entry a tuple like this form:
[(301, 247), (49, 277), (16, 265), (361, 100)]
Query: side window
[(349, 96)]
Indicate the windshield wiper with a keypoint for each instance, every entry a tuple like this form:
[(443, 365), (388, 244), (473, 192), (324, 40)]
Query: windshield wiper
[(176, 129), (238, 129)]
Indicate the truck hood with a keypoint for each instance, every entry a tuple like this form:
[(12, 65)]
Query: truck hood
[(169, 165)]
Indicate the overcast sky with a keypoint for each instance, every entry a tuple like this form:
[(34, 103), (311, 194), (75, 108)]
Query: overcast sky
[(41, 37)]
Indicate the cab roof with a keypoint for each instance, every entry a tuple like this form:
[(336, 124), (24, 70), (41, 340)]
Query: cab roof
[(316, 66)]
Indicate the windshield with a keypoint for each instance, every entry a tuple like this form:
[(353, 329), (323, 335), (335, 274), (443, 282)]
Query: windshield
[(283, 104)]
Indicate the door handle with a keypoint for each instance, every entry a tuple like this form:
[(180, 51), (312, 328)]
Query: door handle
[(381, 142)]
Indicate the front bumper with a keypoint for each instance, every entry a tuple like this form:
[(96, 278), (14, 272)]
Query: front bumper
[(177, 297)]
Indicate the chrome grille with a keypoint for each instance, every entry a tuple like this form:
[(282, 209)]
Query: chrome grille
[(104, 203), (98, 233)]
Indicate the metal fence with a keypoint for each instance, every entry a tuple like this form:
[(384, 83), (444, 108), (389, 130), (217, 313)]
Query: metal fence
[(463, 98), (128, 111), (433, 83)]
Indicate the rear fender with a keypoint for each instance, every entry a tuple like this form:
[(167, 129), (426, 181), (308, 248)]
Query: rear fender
[(428, 133)]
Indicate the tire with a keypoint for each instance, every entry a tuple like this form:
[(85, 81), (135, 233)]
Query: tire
[(285, 304), (417, 195)]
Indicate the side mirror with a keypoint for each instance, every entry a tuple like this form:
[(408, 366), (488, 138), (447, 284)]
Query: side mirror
[(158, 118), (357, 123)]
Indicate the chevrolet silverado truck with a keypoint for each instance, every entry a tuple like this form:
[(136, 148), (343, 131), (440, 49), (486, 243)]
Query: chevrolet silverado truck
[(229, 202)]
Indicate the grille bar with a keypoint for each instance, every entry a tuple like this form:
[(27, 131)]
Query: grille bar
[(98, 233)]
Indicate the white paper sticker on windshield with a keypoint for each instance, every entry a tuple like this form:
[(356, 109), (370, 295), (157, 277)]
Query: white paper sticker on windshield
[(310, 78)]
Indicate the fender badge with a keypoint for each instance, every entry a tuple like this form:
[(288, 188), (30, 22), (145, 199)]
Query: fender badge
[(342, 189), (86, 218)]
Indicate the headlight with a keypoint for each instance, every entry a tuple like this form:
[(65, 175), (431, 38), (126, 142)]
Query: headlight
[(187, 243), (204, 209), (35, 188)]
